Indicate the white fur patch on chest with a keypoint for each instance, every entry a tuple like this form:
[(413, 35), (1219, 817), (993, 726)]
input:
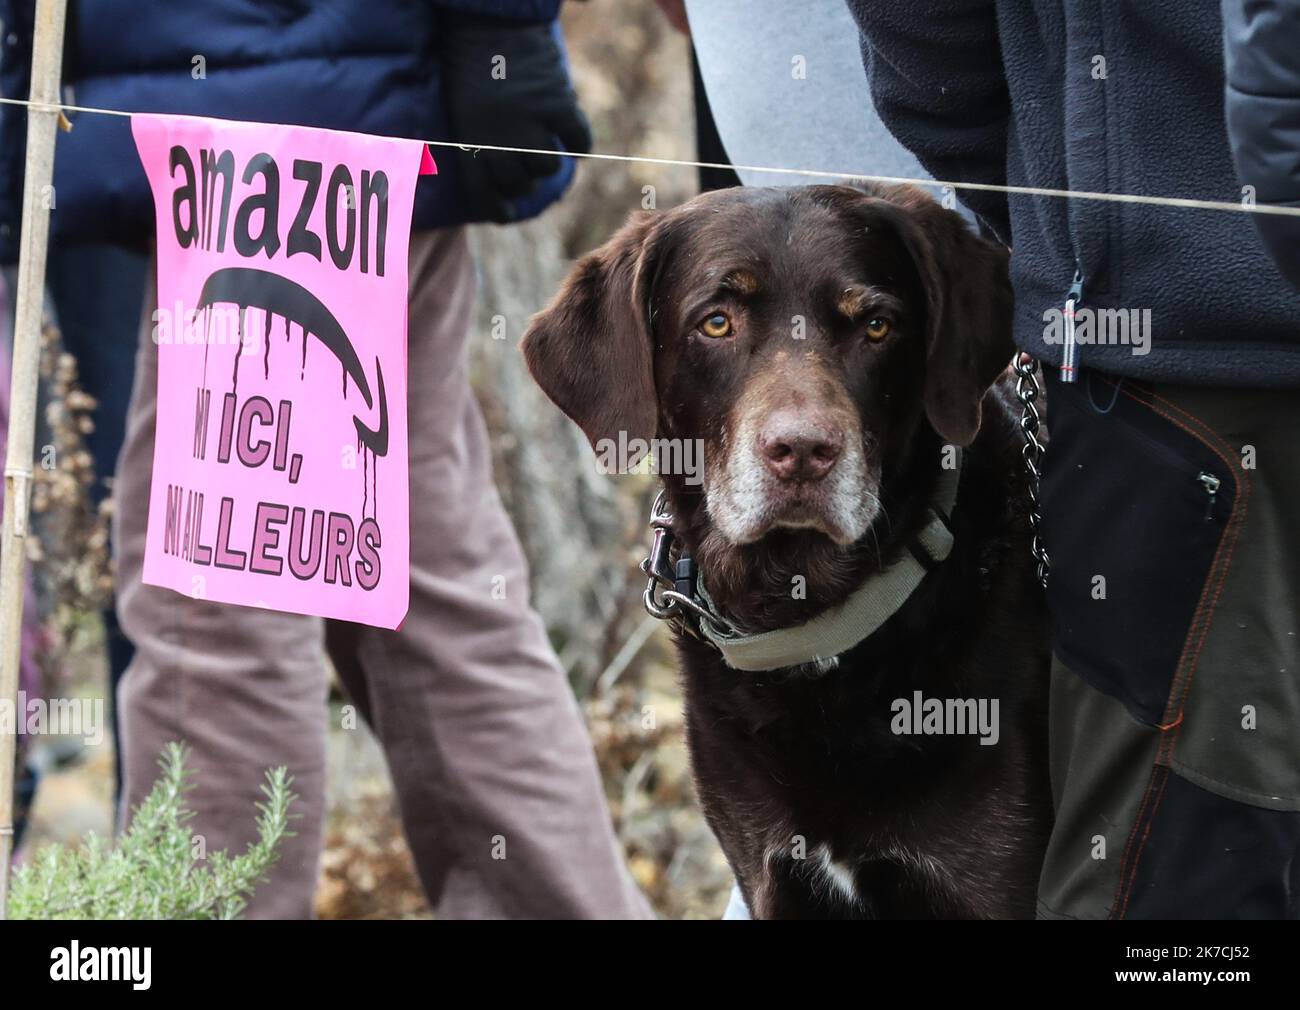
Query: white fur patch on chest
[(837, 876), (837, 880)]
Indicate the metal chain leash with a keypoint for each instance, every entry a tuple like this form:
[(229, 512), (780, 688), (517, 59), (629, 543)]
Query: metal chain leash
[(670, 594), (1028, 392)]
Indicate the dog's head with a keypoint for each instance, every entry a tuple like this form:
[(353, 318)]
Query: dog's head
[(803, 335)]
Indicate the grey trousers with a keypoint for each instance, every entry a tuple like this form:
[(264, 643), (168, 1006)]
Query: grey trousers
[(498, 788)]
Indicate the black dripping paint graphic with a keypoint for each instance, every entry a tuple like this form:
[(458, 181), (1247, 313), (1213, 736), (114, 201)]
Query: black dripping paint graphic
[(249, 288)]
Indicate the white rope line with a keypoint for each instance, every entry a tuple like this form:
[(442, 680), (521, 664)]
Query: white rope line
[(984, 187)]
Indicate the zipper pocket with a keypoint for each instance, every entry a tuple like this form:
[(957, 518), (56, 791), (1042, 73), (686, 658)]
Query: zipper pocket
[(1158, 450)]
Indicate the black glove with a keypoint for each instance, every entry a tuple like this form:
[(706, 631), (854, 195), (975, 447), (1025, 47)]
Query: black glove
[(506, 84)]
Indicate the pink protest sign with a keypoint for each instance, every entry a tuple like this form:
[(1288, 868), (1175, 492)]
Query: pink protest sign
[(280, 460)]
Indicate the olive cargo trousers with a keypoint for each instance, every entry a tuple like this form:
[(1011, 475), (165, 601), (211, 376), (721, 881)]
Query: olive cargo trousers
[(1172, 522)]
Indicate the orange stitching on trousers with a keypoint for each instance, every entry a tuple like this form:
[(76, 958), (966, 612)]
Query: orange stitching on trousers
[(1231, 535), (1137, 856), (1121, 893), (1202, 619)]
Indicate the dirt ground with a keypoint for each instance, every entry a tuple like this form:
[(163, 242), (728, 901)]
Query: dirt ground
[(366, 870)]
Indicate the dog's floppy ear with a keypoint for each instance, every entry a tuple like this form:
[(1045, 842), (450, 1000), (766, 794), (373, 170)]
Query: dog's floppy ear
[(969, 305), (590, 349)]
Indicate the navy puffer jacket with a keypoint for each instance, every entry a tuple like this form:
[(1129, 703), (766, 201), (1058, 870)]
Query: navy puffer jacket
[(1262, 46), (370, 66)]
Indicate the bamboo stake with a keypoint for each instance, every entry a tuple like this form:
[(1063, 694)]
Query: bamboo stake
[(42, 122)]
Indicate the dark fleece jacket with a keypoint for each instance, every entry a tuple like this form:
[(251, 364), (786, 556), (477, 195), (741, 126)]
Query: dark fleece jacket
[(1102, 95)]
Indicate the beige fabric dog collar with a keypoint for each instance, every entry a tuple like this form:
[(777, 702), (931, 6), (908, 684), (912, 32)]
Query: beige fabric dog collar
[(874, 602)]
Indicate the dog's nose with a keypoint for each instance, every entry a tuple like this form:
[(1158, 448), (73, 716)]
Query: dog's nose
[(796, 445)]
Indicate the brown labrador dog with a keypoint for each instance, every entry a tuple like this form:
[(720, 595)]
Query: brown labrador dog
[(829, 347)]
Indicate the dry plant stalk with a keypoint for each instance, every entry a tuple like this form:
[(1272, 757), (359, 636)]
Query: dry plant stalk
[(69, 551)]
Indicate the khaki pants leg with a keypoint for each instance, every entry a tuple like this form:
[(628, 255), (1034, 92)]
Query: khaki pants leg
[(499, 790), (244, 689)]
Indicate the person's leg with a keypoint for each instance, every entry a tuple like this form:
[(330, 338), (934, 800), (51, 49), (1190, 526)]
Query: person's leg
[(1176, 684), (96, 291), (244, 689), (498, 786)]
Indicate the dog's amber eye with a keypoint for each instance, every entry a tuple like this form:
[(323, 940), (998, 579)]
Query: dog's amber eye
[(717, 326), (878, 329)]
